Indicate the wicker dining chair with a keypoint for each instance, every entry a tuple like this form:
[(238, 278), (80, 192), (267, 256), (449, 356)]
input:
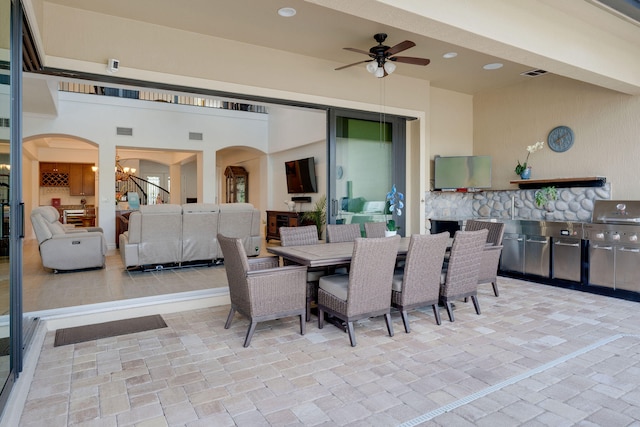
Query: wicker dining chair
[(418, 283), (259, 289), (459, 278), (300, 236), (364, 292), (375, 229), (491, 256), (337, 233)]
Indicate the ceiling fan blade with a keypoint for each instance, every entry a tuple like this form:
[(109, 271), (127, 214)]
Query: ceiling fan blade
[(411, 60), (399, 47), (351, 65), (353, 49)]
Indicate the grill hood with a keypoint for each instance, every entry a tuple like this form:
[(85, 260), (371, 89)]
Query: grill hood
[(616, 212)]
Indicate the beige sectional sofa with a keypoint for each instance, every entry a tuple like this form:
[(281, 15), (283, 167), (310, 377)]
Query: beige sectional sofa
[(175, 235)]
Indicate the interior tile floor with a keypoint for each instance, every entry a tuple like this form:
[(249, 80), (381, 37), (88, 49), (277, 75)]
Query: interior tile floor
[(43, 290), (536, 356)]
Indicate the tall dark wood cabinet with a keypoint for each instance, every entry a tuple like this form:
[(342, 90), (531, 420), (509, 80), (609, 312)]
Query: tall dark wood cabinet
[(237, 184)]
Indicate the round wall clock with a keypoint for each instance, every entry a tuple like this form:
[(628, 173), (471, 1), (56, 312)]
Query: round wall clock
[(560, 138)]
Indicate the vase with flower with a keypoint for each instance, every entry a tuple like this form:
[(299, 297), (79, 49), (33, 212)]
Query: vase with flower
[(396, 204), (524, 169)]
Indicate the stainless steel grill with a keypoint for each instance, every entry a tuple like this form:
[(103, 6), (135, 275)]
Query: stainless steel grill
[(614, 250)]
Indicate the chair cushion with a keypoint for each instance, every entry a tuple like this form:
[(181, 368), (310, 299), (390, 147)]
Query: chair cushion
[(396, 285), (335, 284), (314, 276)]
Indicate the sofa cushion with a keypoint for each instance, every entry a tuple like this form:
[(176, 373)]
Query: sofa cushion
[(40, 226), (49, 213), (56, 228), (199, 231)]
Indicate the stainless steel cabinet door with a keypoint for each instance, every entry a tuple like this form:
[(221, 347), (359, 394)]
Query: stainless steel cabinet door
[(512, 258), (537, 255), (601, 265), (566, 259), (627, 271)]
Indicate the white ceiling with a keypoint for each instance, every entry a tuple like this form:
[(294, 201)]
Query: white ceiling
[(314, 31), (323, 32)]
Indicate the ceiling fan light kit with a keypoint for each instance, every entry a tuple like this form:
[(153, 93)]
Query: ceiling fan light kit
[(380, 64)]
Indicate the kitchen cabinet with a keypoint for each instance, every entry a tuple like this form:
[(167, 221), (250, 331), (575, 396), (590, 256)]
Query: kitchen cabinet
[(537, 255), (54, 174), (82, 179), (277, 219), (512, 258)]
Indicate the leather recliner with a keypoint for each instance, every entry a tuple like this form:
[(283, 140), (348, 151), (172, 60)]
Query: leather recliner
[(65, 248)]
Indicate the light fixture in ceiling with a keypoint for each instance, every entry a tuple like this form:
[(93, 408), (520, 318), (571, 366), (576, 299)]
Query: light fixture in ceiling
[(287, 12), (383, 58), (450, 55), (123, 173), (493, 66), (380, 68)]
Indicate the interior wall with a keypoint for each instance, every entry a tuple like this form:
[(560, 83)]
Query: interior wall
[(605, 124), (450, 126), (156, 127), (278, 186)]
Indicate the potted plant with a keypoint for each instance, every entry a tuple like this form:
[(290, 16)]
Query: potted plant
[(545, 194), (317, 215), (396, 204), (523, 169)]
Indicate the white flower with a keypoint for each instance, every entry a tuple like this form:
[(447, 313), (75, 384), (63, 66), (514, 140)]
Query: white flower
[(535, 147)]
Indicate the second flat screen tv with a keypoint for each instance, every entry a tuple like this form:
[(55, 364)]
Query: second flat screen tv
[(301, 176), (452, 173)]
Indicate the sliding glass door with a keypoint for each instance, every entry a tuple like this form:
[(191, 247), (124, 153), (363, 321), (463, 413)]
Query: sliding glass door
[(5, 167), (366, 158)]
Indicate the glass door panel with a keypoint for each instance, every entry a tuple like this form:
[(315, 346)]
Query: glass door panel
[(5, 113), (364, 166)]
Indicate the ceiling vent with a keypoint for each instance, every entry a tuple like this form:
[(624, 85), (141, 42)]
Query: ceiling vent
[(195, 136), (533, 73), (124, 131)]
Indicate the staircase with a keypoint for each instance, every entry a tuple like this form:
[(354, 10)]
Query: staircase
[(148, 192)]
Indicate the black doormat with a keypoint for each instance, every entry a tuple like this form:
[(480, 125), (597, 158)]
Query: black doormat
[(108, 329)]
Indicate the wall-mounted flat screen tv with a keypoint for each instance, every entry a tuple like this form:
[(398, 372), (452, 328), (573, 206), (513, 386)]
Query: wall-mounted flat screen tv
[(456, 172), (301, 176)]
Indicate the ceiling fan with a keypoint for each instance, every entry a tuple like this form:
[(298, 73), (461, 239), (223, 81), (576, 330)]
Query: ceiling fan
[(382, 57)]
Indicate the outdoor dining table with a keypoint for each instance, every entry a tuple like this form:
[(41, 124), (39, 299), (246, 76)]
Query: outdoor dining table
[(325, 254)]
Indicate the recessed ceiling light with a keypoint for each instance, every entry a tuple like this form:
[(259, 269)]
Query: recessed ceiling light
[(287, 12), (450, 55), (493, 66)]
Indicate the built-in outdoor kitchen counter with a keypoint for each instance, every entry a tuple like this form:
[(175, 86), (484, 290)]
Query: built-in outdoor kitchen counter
[(560, 243), (566, 254)]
